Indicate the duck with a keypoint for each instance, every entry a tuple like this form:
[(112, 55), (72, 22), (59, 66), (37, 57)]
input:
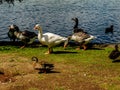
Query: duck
[(82, 38), (49, 39), (11, 33), (114, 53), (109, 29), (75, 28), (25, 36), (43, 66)]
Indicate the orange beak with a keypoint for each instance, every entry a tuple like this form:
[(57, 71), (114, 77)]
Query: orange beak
[(35, 28)]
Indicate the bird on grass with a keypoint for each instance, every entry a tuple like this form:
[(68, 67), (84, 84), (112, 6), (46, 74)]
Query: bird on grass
[(26, 36), (114, 55), (80, 36), (42, 66), (49, 39)]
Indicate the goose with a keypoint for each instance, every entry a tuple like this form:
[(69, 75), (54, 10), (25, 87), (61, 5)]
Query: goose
[(109, 29), (26, 37), (76, 29), (49, 39), (82, 38), (115, 53), (43, 66)]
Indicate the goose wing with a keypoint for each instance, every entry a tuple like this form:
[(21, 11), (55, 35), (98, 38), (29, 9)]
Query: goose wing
[(29, 34), (51, 37), (80, 36)]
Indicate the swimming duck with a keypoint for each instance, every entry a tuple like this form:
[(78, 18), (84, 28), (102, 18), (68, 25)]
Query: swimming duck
[(115, 53), (11, 33), (82, 38), (49, 39), (43, 66), (109, 29), (26, 37), (76, 29)]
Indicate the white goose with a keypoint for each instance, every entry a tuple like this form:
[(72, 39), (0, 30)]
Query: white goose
[(49, 39)]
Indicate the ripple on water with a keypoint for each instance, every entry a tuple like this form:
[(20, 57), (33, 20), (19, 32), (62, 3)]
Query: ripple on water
[(55, 16)]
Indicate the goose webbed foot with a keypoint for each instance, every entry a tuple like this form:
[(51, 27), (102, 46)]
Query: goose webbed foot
[(49, 51), (84, 47), (22, 47), (78, 48)]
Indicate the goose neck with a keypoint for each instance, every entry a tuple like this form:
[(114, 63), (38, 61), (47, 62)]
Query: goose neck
[(40, 32), (76, 24)]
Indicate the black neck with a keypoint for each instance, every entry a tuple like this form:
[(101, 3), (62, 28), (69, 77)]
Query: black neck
[(76, 24)]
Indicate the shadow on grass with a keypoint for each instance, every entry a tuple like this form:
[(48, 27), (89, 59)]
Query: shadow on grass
[(116, 61), (64, 52), (36, 44), (95, 48), (19, 44), (9, 43), (49, 72)]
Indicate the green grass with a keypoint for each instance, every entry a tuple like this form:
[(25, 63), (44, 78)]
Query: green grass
[(92, 64)]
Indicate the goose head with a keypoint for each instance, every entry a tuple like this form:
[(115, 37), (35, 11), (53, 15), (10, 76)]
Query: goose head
[(35, 59), (76, 22), (111, 26), (116, 47), (37, 27), (75, 19), (13, 28)]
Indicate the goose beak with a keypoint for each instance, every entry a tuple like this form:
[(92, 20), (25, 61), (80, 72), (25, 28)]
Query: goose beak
[(11, 27), (35, 28)]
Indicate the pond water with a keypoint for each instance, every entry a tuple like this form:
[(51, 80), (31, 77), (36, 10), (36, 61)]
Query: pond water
[(55, 16)]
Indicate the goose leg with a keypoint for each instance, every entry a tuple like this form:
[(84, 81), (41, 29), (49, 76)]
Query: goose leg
[(78, 48), (84, 47), (66, 42), (49, 51), (22, 47)]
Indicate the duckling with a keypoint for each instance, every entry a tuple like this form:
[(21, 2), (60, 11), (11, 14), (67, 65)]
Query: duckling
[(115, 53), (26, 37), (43, 66), (109, 29)]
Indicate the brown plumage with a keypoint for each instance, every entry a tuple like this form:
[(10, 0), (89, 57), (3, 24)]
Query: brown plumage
[(42, 66), (80, 36), (115, 53)]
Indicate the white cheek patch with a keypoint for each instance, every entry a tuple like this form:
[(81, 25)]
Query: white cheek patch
[(12, 27)]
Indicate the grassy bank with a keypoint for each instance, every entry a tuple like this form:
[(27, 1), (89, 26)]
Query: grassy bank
[(74, 69)]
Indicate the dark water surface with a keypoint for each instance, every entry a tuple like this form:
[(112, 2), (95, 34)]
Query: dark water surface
[(55, 16)]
